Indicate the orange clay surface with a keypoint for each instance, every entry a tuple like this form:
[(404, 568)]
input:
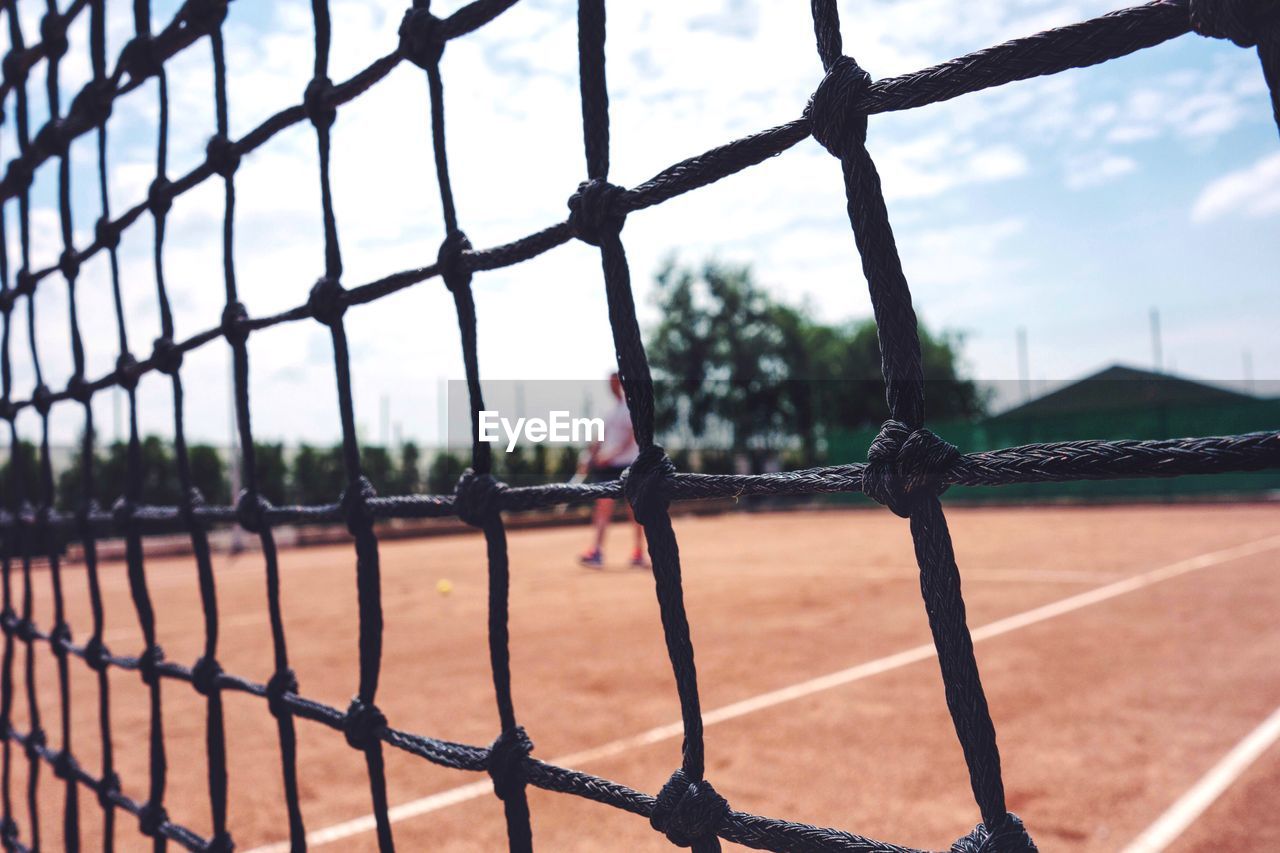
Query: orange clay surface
[(1106, 714)]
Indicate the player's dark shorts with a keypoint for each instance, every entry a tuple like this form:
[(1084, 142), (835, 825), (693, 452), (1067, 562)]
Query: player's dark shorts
[(605, 474)]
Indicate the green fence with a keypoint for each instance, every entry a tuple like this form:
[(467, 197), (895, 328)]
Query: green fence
[(1151, 422)]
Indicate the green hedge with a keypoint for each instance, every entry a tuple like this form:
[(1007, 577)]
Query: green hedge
[(1138, 423)]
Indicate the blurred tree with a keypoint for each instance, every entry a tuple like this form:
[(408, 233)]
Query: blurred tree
[(408, 475), (724, 356), (159, 474), (523, 466), (111, 474), (444, 472), (541, 462), (159, 480), (18, 475), (849, 392), (271, 471), (318, 476), (564, 464), (750, 373), (209, 474), (378, 467), (70, 485), (158, 477)]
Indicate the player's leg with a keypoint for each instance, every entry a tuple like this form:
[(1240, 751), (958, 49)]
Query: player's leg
[(638, 560), (594, 557)]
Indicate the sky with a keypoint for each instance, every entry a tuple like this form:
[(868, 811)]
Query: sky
[(1068, 206)]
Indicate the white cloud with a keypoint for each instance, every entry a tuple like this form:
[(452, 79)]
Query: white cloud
[(996, 162), (935, 163), (955, 267), (1083, 173), (1254, 191), (1194, 104)]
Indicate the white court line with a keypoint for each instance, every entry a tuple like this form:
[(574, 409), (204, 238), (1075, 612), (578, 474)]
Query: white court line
[(452, 796), (970, 573), (1051, 576), (1208, 788)]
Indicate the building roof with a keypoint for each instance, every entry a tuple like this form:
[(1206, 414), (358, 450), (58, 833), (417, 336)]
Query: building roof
[(1118, 388)]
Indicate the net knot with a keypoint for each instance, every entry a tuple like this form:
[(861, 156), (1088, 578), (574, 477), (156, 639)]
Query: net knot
[(477, 498), (644, 483), (355, 505), (52, 139), (8, 621), (34, 743), (128, 371), (106, 788), (65, 766), (138, 58), (95, 101), (235, 323), (25, 630), (15, 68), (8, 298), (363, 725), (107, 233), (42, 399), (220, 843), (69, 264), (281, 682), (1009, 837), (689, 813), (251, 511), (204, 675), (24, 282), (833, 116), (18, 175), (96, 655), (79, 389), (60, 640), (449, 260), (194, 500), (1244, 22), (8, 410), (166, 355), (8, 832), (149, 665), (160, 196), (506, 762), (222, 155), (321, 113), (904, 465), (327, 301), (420, 39), (595, 212), (151, 818), (53, 35)]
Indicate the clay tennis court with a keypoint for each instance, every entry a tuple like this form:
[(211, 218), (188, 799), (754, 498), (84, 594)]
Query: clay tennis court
[(1125, 652)]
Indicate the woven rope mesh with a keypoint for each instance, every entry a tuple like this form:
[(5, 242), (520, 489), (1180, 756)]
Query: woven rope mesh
[(907, 466)]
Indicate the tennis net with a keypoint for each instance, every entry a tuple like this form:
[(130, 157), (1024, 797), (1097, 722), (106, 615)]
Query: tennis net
[(907, 466)]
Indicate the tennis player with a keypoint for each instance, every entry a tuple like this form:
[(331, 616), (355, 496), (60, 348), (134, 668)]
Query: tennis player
[(605, 460)]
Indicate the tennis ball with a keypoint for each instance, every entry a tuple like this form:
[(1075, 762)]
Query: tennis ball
[(444, 586)]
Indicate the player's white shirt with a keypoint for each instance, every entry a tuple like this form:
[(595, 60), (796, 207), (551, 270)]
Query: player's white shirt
[(619, 447)]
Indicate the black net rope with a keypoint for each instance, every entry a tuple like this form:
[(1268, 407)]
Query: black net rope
[(907, 466)]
